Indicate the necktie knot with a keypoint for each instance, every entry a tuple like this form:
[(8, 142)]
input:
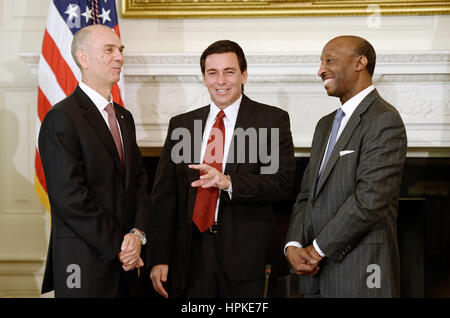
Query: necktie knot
[(339, 115), (220, 115), (110, 109)]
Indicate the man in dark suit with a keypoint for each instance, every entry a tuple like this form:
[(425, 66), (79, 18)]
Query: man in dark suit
[(96, 181), (342, 238), (212, 222)]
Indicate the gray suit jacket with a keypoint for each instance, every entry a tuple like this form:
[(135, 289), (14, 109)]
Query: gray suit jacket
[(353, 210)]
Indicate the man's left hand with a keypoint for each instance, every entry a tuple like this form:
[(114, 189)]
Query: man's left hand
[(211, 177), (312, 251)]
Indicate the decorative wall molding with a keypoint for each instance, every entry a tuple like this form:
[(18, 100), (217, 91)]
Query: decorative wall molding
[(285, 78), (188, 64), (24, 228), (289, 58), (272, 8), (159, 86), (21, 278)]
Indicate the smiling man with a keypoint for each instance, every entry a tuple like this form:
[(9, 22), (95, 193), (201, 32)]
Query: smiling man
[(342, 238), (96, 181), (212, 221)]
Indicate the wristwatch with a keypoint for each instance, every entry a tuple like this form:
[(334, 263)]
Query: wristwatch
[(139, 234)]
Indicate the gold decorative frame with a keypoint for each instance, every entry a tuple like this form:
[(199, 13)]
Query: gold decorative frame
[(277, 8)]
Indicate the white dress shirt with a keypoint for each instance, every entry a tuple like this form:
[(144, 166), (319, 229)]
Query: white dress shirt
[(100, 102), (348, 108), (229, 121)]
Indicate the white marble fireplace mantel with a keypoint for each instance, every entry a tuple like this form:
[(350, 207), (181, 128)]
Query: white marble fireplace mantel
[(158, 86)]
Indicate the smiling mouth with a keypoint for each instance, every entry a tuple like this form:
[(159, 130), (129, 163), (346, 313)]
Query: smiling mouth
[(327, 81), (222, 91)]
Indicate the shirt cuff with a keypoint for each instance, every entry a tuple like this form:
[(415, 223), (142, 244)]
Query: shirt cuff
[(318, 250), (291, 243)]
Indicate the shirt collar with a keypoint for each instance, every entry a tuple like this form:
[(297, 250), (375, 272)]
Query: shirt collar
[(99, 101), (349, 106), (230, 111)]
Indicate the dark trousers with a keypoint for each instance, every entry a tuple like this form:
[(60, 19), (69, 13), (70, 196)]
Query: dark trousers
[(206, 275), (124, 291)]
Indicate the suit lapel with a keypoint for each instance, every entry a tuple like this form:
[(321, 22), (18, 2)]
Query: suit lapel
[(196, 126), (127, 140), (317, 156), (245, 119), (98, 124), (345, 136)]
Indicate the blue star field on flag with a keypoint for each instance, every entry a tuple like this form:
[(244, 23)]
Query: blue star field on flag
[(80, 13)]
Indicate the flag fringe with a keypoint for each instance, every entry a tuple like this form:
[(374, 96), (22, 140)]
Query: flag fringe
[(42, 194)]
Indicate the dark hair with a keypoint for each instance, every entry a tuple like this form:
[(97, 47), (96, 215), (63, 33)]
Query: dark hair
[(224, 46), (366, 49)]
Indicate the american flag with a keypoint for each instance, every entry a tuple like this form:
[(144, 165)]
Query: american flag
[(58, 73)]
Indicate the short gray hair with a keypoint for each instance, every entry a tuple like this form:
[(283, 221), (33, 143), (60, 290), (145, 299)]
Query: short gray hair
[(79, 41), (82, 37)]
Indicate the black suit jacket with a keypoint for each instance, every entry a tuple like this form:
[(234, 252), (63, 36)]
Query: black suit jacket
[(94, 200), (249, 240)]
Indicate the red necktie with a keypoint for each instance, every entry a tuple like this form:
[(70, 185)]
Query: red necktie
[(206, 200), (114, 128)]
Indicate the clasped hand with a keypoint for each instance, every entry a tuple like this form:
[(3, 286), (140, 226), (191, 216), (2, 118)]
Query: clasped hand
[(130, 252), (304, 261)]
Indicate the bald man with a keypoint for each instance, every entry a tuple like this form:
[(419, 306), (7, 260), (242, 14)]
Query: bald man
[(342, 238), (96, 181)]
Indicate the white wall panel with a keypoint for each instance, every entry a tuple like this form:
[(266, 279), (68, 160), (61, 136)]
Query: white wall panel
[(18, 134)]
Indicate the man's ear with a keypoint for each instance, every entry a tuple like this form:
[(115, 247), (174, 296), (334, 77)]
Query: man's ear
[(203, 79), (82, 58), (361, 63), (244, 77)]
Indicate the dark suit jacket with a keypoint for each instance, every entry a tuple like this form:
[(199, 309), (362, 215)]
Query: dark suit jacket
[(352, 212), (94, 200), (248, 237)]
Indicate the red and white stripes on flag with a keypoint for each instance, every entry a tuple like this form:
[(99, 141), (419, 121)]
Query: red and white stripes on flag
[(58, 73)]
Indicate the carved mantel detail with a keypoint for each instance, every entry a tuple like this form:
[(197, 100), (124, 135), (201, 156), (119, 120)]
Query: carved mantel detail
[(159, 86)]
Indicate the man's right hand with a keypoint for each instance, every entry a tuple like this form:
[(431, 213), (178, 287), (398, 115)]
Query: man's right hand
[(301, 261), (130, 252), (158, 275), (137, 264)]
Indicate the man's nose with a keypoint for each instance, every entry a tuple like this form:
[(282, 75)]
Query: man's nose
[(119, 56), (221, 78), (321, 70)]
